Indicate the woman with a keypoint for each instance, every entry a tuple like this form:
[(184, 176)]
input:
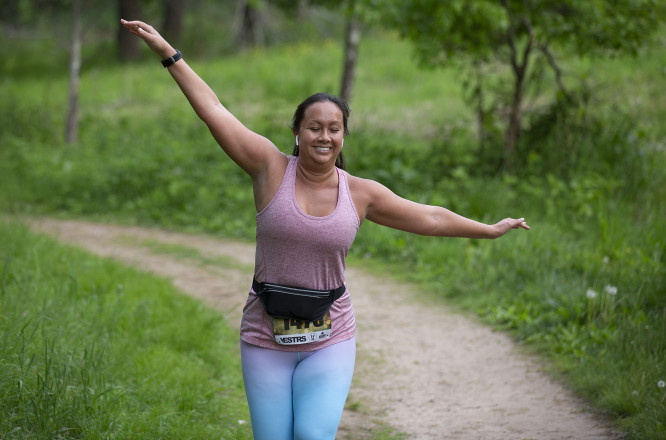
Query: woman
[(298, 328)]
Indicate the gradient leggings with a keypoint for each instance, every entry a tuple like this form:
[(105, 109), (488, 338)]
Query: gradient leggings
[(297, 395)]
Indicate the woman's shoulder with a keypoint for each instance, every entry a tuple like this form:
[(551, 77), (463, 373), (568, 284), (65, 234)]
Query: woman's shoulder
[(364, 192), (363, 185)]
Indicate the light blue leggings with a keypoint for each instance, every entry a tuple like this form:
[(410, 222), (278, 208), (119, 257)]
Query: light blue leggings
[(297, 395)]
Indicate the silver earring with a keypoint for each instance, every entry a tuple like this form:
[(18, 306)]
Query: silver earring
[(297, 140), (342, 144)]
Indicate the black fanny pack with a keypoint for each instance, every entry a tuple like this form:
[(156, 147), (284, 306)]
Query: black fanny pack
[(296, 302)]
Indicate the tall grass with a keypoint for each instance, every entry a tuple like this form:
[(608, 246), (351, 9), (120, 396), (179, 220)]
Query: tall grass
[(91, 349), (586, 287)]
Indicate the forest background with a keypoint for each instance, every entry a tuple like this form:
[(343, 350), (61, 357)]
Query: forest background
[(549, 110)]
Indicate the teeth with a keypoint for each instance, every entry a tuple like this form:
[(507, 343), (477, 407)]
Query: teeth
[(323, 148)]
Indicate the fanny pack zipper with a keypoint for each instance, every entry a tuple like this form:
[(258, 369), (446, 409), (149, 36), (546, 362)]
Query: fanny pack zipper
[(295, 291)]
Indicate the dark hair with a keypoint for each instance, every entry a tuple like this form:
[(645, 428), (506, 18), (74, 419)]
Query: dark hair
[(320, 97)]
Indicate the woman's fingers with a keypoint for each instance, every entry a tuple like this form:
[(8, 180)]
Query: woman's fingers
[(521, 224), (511, 223), (133, 23), (148, 34), (138, 27), (133, 27)]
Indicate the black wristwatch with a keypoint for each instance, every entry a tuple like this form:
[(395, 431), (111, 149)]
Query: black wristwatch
[(172, 59)]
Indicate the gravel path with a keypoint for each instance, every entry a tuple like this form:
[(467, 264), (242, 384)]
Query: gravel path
[(421, 370)]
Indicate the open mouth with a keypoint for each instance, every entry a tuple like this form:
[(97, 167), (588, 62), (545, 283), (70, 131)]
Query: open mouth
[(323, 148)]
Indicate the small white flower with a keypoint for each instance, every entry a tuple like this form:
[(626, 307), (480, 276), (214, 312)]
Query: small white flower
[(606, 260), (611, 290), (591, 294), (661, 384), (242, 422), (634, 393)]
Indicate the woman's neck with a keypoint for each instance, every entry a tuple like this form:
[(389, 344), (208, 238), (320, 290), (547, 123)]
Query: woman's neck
[(315, 176)]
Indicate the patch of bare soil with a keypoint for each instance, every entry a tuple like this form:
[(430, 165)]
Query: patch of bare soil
[(422, 370)]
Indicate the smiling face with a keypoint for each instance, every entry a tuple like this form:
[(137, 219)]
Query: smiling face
[(320, 134)]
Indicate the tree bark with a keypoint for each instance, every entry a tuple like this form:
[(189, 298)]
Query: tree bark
[(519, 65), (352, 39), (249, 25), (303, 10), (128, 44), (515, 117), (173, 21), (480, 110), (72, 125)]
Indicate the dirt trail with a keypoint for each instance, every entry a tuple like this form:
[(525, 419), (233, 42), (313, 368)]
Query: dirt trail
[(421, 370)]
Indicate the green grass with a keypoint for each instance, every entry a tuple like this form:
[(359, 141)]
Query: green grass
[(92, 349)]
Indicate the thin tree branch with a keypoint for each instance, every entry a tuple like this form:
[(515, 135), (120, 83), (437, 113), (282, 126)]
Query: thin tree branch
[(528, 47), (552, 62), (511, 39)]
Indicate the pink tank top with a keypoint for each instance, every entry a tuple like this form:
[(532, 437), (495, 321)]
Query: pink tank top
[(300, 250)]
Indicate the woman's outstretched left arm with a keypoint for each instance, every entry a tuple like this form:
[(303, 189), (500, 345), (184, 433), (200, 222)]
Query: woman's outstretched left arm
[(380, 205)]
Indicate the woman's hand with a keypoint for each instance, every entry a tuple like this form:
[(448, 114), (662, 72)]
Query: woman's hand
[(152, 38), (504, 226)]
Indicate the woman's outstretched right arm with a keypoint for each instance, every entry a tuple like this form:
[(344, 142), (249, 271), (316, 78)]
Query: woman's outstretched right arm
[(252, 152)]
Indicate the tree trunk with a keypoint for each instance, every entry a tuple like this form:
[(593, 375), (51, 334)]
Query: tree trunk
[(128, 44), (352, 39), (173, 21), (513, 130), (479, 109), (519, 65), (249, 25), (72, 127), (303, 10)]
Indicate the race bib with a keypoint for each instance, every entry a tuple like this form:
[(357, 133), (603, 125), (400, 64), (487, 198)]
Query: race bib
[(295, 331)]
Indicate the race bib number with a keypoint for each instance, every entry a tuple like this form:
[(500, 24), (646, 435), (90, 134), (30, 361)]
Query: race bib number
[(295, 331)]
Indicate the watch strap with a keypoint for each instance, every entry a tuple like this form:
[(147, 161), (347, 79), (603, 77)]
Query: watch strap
[(172, 59)]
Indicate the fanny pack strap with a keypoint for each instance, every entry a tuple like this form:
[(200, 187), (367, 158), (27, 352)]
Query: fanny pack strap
[(336, 293)]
